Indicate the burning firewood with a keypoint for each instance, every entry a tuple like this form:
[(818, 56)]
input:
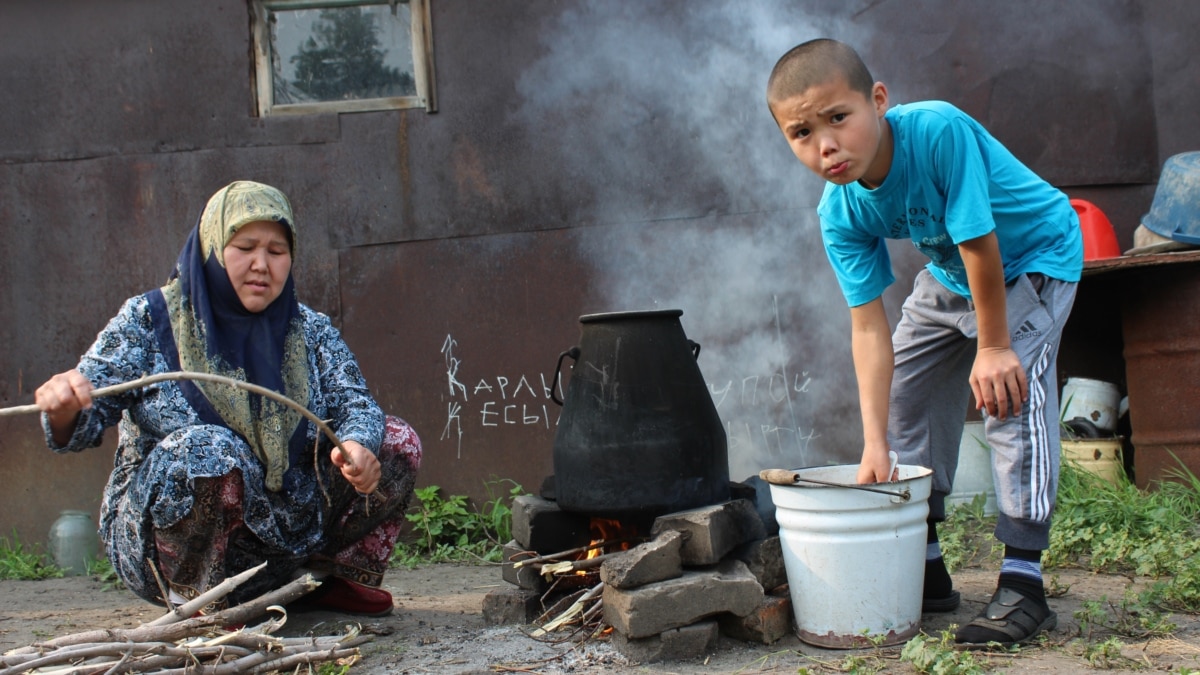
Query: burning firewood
[(548, 570)]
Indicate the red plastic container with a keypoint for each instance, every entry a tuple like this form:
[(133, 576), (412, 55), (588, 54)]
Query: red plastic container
[(1099, 239)]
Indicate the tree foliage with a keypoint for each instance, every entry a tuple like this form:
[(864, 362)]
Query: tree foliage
[(343, 59)]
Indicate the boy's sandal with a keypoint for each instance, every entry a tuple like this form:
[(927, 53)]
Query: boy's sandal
[(940, 605), (1010, 618)]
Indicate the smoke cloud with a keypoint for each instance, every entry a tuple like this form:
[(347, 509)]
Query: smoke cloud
[(701, 206)]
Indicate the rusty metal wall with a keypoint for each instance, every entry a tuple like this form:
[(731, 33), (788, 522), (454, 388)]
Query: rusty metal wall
[(1161, 336), (586, 157)]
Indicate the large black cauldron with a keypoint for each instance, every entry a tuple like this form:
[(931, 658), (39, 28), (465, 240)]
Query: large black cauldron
[(639, 434)]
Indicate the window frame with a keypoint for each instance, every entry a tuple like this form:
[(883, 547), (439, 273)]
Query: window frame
[(264, 75)]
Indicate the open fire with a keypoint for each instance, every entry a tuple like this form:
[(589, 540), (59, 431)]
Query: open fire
[(643, 583)]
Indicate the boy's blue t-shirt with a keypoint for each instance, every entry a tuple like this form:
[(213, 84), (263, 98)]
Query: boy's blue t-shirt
[(950, 181)]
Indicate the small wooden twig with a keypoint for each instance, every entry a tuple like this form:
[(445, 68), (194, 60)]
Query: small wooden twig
[(575, 610), (214, 594), (591, 613)]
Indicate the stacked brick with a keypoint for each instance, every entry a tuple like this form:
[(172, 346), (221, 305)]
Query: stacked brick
[(703, 573)]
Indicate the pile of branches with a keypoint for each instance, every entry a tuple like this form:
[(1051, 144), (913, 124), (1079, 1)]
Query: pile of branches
[(185, 641)]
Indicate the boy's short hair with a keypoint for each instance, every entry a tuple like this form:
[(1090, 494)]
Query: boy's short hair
[(817, 62)]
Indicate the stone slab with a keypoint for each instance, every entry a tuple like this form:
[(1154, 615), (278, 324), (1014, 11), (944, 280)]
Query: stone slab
[(712, 531), (678, 644), (697, 594), (504, 606), (653, 561), (764, 557), (766, 624), (540, 525)]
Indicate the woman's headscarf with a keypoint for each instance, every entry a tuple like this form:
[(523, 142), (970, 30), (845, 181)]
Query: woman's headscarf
[(200, 314)]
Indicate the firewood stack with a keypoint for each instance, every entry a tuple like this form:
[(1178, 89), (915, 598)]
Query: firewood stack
[(692, 577), (182, 640)]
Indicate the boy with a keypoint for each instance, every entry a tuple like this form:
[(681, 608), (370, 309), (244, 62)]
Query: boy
[(984, 317)]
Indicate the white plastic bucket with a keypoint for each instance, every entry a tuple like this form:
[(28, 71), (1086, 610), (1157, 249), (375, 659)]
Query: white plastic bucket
[(1094, 400), (855, 560), (973, 477)]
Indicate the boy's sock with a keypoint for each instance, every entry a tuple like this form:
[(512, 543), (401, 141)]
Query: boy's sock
[(937, 578), (1021, 571)]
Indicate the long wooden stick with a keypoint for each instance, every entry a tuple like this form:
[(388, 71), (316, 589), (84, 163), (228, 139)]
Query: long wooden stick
[(201, 377), (188, 609), (550, 557)]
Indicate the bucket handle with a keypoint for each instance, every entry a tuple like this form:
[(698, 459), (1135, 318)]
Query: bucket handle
[(785, 477), (695, 349), (573, 352)]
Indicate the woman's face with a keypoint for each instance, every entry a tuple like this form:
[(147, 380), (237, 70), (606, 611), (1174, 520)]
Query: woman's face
[(258, 260)]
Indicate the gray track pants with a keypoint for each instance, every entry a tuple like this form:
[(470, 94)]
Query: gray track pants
[(935, 344)]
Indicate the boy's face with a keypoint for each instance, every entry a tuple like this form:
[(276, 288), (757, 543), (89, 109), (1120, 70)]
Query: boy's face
[(838, 133)]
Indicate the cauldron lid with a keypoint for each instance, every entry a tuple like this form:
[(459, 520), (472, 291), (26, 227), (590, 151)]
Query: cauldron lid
[(646, 314)]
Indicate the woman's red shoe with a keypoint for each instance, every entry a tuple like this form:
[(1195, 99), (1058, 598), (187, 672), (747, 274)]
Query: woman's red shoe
[(336, 594)]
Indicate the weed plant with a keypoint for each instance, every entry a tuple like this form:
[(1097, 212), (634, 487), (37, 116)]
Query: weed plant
[(448, 529), (16, 562), (1120, 529), (102, 570), (1110, 529), (966, 537), (936, 654), (1129, 618)]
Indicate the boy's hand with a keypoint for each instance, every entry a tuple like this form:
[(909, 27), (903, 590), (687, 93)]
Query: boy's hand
[(998, 381), (876, 467)]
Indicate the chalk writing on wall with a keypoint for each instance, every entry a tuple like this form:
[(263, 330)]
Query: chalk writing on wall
[(493, 401), (764, 419), (766, 416)]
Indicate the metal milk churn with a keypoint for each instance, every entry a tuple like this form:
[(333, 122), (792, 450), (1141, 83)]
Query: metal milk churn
[(74, 542), (639, 434)]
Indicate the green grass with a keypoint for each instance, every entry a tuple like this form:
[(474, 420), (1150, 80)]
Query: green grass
[(17, 562), (102, 570), (1105, 528), (1120, 529), (966, 537), (449, 529)]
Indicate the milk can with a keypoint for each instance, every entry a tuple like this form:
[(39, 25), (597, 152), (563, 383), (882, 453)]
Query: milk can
[(639, 434), (74, 543)]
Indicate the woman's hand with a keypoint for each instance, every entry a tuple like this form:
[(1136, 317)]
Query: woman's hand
[(362, 470), (61, 398)]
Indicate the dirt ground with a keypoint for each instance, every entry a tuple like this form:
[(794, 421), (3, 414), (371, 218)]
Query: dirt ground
[(438, 628)]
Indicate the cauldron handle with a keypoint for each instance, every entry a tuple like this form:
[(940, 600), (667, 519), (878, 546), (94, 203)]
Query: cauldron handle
[(695, 349), (573, 352)]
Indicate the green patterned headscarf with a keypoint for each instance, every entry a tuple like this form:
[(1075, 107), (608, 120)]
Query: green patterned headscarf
[(214, 333)]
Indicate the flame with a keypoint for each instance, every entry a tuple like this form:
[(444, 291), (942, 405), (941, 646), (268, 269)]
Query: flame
[(608, 536), (609, 530)]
